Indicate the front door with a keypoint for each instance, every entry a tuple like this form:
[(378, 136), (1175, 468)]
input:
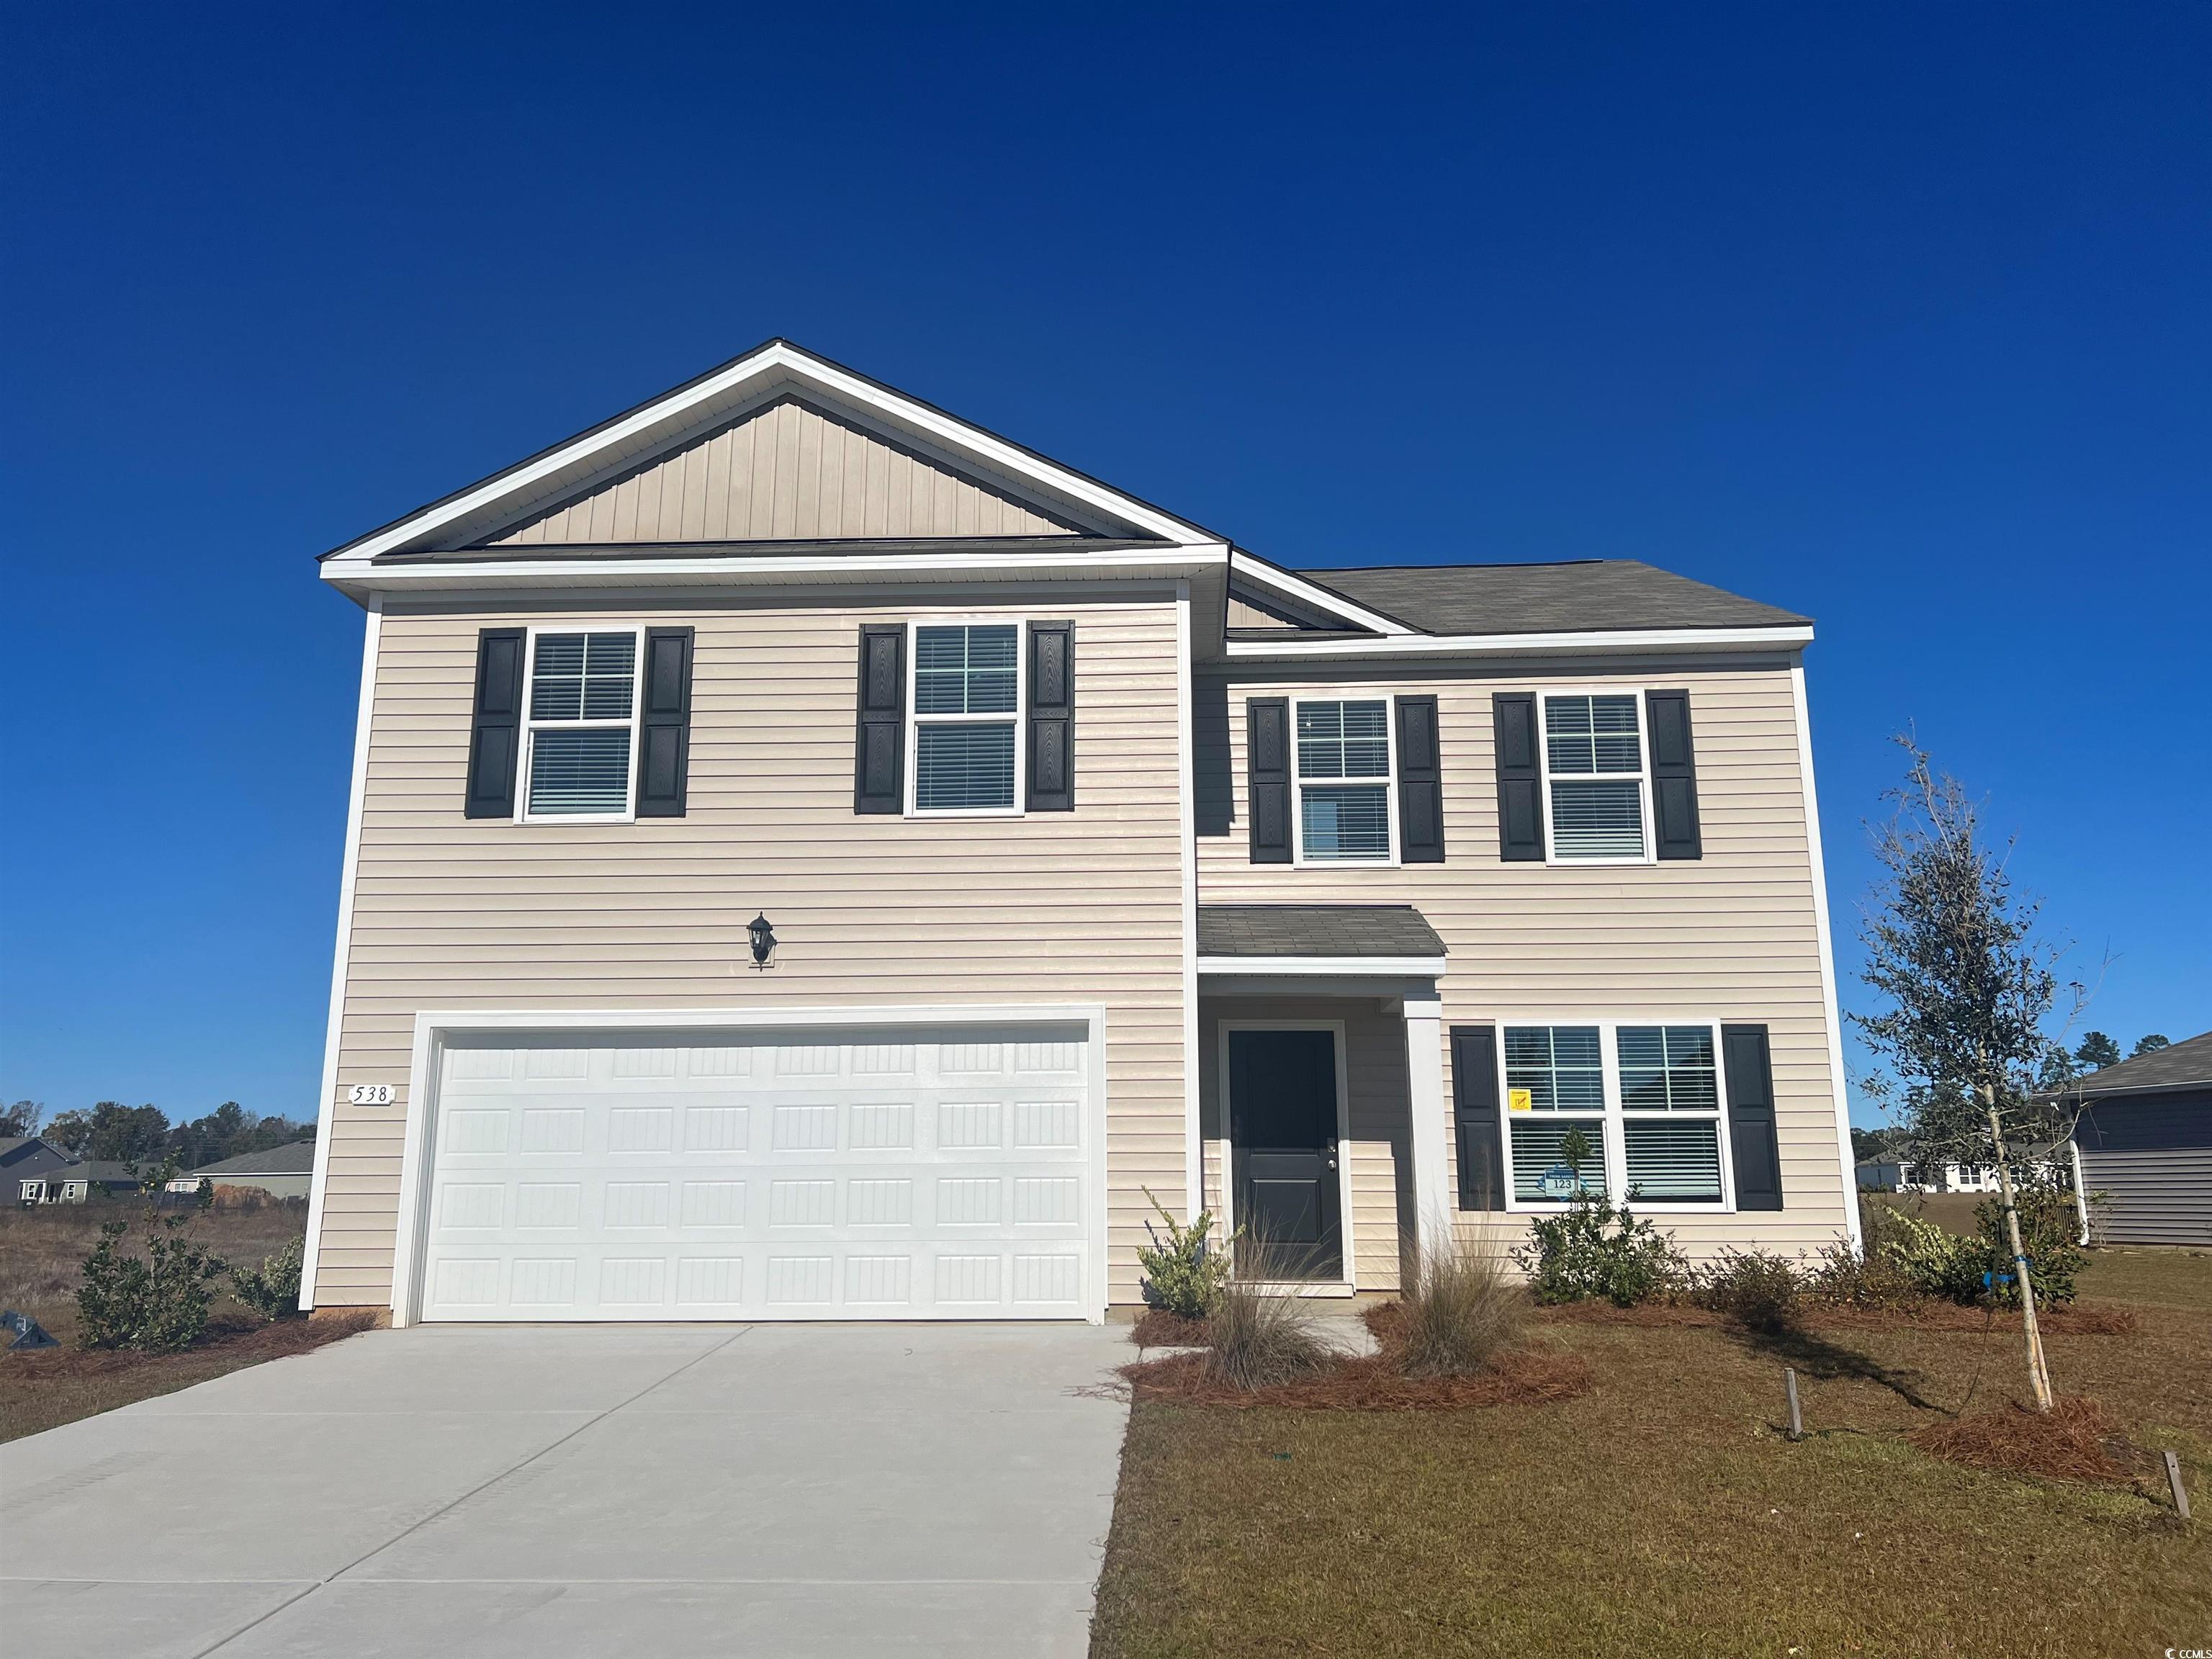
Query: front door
[(1283, 1150)]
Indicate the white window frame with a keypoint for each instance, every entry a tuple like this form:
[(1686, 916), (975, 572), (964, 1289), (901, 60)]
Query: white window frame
[(1388, 780), (1544, 699), (1616, 1117), (915, 719), (526, 749)]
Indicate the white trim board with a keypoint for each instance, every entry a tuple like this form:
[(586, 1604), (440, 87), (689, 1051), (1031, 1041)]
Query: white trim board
[(1421, 968), (432, 1026), (1260, 572), (770, 368), (349, 866), (1290, 648), (1846, 1162)]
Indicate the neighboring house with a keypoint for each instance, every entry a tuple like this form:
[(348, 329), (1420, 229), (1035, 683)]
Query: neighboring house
[(279, 1171), (26, 1162), (2145, 1143), (810, 857), (1880, 1174)]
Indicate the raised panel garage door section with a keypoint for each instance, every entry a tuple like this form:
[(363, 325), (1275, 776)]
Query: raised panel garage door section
[(897, 1173)]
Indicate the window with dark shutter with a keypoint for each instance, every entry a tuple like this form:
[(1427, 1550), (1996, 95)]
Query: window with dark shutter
[(1268, 785), (495, 729), (1673, 776), (664, 759), (1519, 777), (1052, 717), (879, 742), (1421, 783), (1474, 1111), (1750, 1072)]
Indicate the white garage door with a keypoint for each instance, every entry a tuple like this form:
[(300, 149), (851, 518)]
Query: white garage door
[(846, 1174)]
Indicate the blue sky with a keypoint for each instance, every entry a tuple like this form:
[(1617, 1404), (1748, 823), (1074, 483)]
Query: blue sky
[(1896, 316)]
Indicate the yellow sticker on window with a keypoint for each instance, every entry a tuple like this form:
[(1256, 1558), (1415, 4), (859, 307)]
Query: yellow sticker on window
[(1519, 1100)]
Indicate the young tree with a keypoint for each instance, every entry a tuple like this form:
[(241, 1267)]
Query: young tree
[(1969, 989), (2096, 1051), (2150, 1045)]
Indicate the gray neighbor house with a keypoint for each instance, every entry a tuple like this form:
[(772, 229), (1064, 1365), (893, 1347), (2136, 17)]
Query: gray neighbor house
[(2144, 1141)]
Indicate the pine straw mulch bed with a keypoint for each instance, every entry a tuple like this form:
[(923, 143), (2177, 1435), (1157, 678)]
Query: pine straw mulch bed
[(1156, 1327), (2073, 1441), (2090, 1319)]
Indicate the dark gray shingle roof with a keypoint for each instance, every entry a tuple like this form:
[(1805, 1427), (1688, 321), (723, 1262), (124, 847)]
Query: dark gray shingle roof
[(1546, 598), (298, 1159), (2177, 1066), (1314, 930)]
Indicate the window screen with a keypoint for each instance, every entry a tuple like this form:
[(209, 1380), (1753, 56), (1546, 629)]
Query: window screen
[(1339, 817), (583, 698), (1594, 758), (963, 760)]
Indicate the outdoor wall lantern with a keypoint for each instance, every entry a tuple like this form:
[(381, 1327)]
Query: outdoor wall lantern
[(764, 937)]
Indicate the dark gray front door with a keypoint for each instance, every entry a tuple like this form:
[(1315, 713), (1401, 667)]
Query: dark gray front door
[(1282, 1149)]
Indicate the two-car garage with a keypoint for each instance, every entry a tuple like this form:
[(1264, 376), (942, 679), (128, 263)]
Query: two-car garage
[(808, 1170)]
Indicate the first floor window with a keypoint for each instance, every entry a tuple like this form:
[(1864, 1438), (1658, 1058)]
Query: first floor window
[(1594, 778), (967, 708), (1633, 1111), (582, 723), (1343, 756)]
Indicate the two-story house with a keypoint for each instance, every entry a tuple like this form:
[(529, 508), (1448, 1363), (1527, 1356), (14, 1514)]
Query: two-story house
[(810, 857)]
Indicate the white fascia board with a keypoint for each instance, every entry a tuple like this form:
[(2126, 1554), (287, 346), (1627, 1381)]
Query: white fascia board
[(1323, 967), (1520, 645), (776, 358), (1250, 568), (479, 575)]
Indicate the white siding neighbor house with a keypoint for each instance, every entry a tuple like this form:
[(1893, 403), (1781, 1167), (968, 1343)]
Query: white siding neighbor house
[(811, 858)]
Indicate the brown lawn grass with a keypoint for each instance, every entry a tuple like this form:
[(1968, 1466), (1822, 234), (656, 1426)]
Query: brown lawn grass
[(1664, 1513), (40, 1252)]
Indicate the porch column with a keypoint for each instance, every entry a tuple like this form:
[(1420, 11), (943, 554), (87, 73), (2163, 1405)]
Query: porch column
[(1424, 1079)]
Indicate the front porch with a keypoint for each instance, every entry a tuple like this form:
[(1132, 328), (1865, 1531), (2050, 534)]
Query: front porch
[(1321, 1086)]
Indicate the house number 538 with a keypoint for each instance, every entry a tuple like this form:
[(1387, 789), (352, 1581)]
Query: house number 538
[(370, 1094)]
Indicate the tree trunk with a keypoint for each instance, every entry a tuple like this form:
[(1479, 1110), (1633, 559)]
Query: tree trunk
[(2039, 1368)]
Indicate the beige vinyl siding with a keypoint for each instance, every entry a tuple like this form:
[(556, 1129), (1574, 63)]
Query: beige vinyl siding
[(452, 914), (789, 471), (1730, 936), (1376, 1102)]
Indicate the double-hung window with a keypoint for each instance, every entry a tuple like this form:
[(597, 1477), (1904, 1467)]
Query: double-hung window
[(1645, 1101), (1597, 785), (967, 717), (580, 723), (1344, 782)]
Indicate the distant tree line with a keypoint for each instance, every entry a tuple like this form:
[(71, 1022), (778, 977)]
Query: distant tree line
[(115, 1133)]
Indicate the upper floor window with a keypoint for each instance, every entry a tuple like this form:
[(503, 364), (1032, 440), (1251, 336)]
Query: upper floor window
[(967, 714), (1344, 782), (580, 724), (1597, 783)]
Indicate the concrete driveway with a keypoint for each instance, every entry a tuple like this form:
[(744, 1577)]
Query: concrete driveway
[(539, 1491)]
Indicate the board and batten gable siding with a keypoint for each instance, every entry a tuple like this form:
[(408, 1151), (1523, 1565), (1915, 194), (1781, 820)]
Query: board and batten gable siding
[(789, 471), (453, 914), (1732, 936), (2147, 1167)]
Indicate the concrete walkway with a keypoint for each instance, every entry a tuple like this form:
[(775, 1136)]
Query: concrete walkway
[(543, 1492)]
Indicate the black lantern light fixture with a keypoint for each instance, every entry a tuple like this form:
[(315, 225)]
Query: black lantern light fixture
[(764, 937)]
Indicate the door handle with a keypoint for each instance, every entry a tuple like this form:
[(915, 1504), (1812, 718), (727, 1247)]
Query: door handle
[(1332, 1160)]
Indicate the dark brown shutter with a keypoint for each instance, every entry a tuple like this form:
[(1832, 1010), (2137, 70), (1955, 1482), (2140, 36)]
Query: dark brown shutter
[(1673, 776), (495, 729), (1421, 783), (1052, 717), (664, 760), (1267, 784), (1474, 1111), (1750, 1073), (1519, 777), (879, 744)]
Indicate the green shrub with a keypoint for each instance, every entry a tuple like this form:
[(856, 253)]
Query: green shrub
[(1590, 1250), (1847, 1277), (1935, 1262), (158, 1301), (2050, 1231), (1757, 1290), (1183, 1273), (272, 1290)]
